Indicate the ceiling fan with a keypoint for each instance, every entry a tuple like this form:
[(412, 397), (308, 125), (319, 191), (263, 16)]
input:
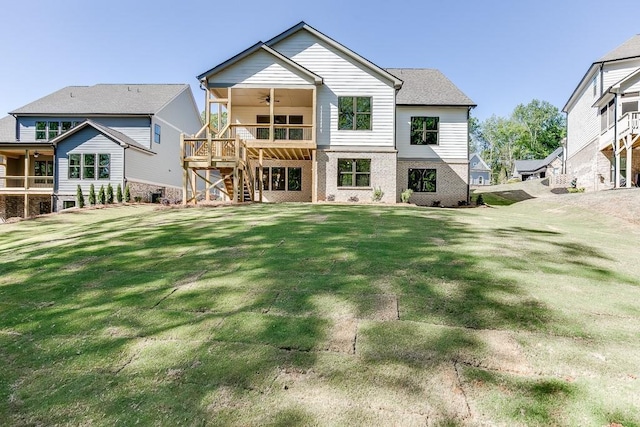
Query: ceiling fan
[(267, 99)]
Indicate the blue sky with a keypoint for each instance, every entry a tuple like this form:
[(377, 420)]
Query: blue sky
[(500, 53)]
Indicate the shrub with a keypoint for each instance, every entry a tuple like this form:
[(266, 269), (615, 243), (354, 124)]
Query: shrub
[(436, 204), (80, 197), (353, 199), (137, 199), (92, 195), (102, 197), (406, 195), (127, 194), (331, 197), (575, 190), (109, 194), (479, 200), (119, 193), (377, 194)]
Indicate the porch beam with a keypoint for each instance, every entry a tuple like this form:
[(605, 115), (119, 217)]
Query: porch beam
[(261, 174), (314, 112), (272, 102)]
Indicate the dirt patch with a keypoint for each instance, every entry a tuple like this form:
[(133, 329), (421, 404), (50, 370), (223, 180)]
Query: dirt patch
[(342, 337), (379, 307)]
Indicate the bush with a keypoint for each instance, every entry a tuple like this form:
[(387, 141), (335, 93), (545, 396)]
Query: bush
[(436, 204), (331, 197), (575, 190), (102, 197), (479, 200), (354, 199), (119, 194), (127, 194), (377, 194), (109, 194), (92, 195), (80, 197), (406, 195)]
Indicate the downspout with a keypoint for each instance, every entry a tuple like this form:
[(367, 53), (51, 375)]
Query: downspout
[(601, 78), (54, 196), (616, 160), (124, 167)]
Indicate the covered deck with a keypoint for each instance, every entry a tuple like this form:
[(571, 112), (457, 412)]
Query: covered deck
[(624, 150)]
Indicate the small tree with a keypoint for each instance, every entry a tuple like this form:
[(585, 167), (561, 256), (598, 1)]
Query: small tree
[(119, 193), (127, 194), (92, 195), (102, 197), (80, 197), (109, 194)]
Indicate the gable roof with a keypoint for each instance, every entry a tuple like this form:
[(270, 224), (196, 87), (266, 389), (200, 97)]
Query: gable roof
[(397, 83), (120, 138), (8, 129), (104, 99), (628, 49), (424, 86), (482, 166), (533, 166), (255, 48)]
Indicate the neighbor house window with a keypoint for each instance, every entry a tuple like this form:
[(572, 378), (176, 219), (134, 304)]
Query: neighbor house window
[(354, 172), (43, 168), (75, 166), (41, 130), (104, 166), (424, 130), (49, 130), (156, 133), (54, 129), (607, 116), (422, 180), (68, 204), (89, 166), (354, 113)]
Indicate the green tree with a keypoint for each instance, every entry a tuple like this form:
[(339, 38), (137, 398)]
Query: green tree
[(213, 120), (102, 197), (127, 194), (544, 127), (500, 137), (92, 195), (119, 193), (109, 194), (80, 197)]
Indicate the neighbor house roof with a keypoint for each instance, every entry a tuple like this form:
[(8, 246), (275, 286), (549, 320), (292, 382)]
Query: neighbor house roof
[(105, 99), (533, 166), (116, 136), (628, 49), (424, 86), (482, 166), (8, 129)]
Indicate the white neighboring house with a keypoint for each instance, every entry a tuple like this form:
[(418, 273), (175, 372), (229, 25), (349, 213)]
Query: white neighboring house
[(311, 120), (102, 134), (603, 132), (479, 171)]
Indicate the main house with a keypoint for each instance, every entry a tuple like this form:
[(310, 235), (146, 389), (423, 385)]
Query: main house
[(603, 121), (102, 134), (303, 118)]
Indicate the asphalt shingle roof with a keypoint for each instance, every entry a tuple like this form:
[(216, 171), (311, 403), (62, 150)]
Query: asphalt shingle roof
[(117, 99), (8, 129), (536, 165), (424, 86), (628, 49)]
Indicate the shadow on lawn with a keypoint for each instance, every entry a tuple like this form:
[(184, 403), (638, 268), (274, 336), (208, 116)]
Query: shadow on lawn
[(184, 316)]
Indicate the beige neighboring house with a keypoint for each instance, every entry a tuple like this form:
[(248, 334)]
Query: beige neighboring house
[(603, 123), (548, 167), (311, 120)]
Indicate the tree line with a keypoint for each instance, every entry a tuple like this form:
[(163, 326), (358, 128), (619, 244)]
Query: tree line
[(532, 131)]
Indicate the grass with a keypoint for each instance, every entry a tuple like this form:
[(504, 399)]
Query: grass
[(320, 314)]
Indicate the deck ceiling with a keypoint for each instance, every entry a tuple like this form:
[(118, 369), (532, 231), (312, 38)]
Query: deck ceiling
[(245, 97), (281, 153)]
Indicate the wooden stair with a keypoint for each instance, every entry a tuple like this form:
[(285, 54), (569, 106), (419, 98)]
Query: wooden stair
[(228, 184)]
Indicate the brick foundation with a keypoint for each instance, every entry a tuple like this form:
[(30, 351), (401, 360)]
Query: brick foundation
[(451, 182), (13, 206), (145, 192), (287, 196)]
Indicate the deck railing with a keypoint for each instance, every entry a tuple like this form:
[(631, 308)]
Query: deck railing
[(17, 182), (258, 131), (224, 149)]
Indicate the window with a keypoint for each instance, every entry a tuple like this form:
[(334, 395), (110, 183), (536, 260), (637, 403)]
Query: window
[(262, 132), (54, 129), (43, 168), (89, 166), (104, 166), (294, 179), (480, 180), (629, 107), (354, 172), (279, 176), (354, 113), (277, 179), (607, 116), (74, 166), (41, 130), (296, 134), (156, 133), (422, 180), (424, 130), (67, 204)]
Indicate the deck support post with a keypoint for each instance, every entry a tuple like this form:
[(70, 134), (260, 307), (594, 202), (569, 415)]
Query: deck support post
[(26, 183), (314, 177), (207, 195), (260, 175), (629, 171)]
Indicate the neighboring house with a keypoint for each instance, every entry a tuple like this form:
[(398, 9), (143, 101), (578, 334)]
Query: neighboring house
[(479, 171), (603, 121), (102, 134), (534, 169), (310, 120)]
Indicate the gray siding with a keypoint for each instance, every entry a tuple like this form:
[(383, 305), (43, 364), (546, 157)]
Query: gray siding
[(136, 128), (87, 141), (182, 112)]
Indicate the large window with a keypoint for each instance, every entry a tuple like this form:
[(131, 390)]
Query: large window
[(275, 179), (156, 133), (49, 130), (354, 113), (424, 130), (607, 116), (354, 172), (422, 180), (89, 166), (43, 168)]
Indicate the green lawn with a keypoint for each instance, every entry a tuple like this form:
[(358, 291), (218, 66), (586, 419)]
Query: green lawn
[(297, 314)]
